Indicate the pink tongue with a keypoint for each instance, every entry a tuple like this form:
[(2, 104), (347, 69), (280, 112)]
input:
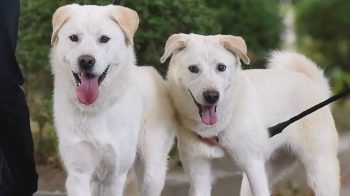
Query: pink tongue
[(87, 92), (209, 116)]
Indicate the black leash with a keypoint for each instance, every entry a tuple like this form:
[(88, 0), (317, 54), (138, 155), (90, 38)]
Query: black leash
[(117, 2), (279, 127)]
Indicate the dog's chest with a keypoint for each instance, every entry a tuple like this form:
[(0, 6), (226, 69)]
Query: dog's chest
[(110, 162)]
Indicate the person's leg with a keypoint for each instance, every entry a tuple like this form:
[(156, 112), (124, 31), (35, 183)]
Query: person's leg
[(17, 168)]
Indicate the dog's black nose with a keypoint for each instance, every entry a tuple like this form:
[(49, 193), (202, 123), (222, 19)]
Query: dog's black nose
[(211, 96), (86, 61)]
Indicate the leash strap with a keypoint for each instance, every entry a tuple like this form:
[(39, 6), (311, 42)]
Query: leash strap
[(279, 127), (117, 2)]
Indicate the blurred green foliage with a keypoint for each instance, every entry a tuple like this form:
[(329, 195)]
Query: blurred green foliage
[(323, 29), (258, 22), (159, 19)]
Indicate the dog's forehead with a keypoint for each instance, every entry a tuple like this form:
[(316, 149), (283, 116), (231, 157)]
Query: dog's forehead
[(91, 19), (204, 48), (204, 44), (204, 39), (91, 14)]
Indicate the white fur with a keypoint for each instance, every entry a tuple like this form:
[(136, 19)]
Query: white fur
[(250, 102), (131, 122)]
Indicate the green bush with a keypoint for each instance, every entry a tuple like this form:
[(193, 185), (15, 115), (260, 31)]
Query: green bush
[(323, 29), (258, 22), (159, 19)]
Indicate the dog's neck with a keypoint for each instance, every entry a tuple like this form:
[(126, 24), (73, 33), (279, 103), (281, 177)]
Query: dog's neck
[(213, 141)]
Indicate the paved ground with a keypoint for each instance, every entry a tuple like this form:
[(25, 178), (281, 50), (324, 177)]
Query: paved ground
[(229, 184)]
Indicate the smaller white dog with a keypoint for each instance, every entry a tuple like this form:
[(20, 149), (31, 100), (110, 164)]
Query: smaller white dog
[(225, 111), (106, 109)]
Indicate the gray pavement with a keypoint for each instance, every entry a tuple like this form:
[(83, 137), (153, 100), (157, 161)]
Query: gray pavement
[(229, 184), (177, 183)]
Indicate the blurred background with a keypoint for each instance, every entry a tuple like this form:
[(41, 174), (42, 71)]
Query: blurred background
[(319, 29)]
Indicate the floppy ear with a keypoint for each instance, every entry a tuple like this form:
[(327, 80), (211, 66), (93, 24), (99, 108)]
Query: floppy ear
[(175, 42), (236, 45), (127, 19), (60, 17)]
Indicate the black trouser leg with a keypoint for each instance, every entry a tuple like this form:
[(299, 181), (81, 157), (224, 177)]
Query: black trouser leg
[(18, 175)]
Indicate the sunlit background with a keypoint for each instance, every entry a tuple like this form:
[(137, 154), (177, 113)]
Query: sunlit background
[(320, 29)]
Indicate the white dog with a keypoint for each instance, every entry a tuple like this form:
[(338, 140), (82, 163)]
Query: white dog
[(105, 108), (226, 111)]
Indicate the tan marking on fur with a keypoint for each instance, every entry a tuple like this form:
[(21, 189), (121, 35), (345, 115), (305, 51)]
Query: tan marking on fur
[(235, 45), (175, 42), (60, 17), (127, 19)]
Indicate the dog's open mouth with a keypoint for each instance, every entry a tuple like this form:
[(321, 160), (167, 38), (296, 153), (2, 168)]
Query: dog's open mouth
[(206, 112), (87, 86)]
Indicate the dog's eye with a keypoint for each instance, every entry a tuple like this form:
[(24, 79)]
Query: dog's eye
[(193, 69), (74, 38), (104, 39), (221, 67)]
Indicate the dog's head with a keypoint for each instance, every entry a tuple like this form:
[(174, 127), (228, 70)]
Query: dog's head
[(205, 66), (91, 43)]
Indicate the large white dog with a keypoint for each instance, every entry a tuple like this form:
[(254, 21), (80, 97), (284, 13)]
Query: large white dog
[(106, 109), (224, 110)]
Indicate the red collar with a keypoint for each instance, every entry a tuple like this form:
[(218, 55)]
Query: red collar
[(213, 141)]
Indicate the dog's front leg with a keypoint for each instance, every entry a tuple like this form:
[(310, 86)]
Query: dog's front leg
[(80, 161), (151, 162), (114, 186), (247, 148), (255, 172), (257, 179), (199, 170), (245, 188)]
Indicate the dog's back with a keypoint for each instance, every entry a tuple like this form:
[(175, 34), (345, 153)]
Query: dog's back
[(292, 61)]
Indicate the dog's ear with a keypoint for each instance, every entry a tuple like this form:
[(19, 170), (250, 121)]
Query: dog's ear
[(60, 17), (236, 45), (175, 42), (127, 19)]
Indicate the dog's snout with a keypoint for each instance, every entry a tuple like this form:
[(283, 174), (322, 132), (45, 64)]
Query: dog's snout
[(86, 61), (211, 96)]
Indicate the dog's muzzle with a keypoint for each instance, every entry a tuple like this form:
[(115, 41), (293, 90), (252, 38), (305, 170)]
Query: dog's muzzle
[(207, 113), (87, 86)]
